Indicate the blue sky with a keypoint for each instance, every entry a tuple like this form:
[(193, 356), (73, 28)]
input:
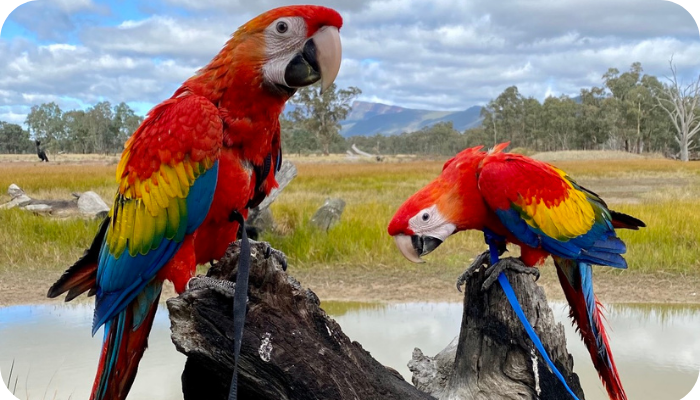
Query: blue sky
[(434, 54)]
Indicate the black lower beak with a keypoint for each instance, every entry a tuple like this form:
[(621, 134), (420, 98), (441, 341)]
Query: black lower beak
[(303, 70), (425, 244)]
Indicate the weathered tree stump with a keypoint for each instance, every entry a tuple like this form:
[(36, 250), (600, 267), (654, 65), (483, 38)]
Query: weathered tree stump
[(493, 358), (328, 214), (260, 217), (292, 350)]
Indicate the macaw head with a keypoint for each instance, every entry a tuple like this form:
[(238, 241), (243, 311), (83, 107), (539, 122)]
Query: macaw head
[(283, 49), (447, 205)]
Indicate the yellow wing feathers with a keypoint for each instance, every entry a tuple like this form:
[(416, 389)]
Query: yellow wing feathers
[(564, 218), (146, 210)]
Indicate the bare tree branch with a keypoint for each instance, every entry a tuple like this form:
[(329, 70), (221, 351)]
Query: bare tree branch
[(680, 103)]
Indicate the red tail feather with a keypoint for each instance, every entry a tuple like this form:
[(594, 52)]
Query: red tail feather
[(114, 383), (599, 349)]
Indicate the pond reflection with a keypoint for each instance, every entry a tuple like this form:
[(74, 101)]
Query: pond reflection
[(56, 358), (656, 347)]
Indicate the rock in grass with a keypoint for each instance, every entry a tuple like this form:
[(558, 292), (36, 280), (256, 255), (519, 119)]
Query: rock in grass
[(329, 214), (91, 203), (19, 198)]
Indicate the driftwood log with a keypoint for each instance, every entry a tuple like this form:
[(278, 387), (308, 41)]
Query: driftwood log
[(87, 204), (292, 350), (260, 217)]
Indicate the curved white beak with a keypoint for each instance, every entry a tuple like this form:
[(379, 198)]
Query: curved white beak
[(328, 54), (403, 242)]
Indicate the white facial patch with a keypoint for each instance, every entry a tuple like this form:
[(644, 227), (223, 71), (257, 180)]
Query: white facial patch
[(282, 45), (429, 222)]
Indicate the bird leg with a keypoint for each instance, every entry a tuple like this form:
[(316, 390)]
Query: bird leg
[(482, 260), (511, 263), (227, 288)]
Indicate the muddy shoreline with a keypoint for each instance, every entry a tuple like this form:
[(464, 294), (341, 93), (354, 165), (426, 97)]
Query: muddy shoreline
[(349, 284)]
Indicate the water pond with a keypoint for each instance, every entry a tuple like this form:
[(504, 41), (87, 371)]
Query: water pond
[(656, 347)]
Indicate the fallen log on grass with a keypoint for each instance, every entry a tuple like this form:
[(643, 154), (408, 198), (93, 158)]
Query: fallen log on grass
[(88, 204), (292, 350)]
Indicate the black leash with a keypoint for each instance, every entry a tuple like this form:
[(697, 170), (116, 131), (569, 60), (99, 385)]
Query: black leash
[(240, 299)]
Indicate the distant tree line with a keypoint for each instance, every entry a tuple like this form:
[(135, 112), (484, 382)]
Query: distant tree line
[(101, 128), (630, 111), (625, 113)]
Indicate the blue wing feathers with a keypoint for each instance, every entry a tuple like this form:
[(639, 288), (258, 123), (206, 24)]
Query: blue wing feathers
[(134, 273), (598, 246), (517, 226), (121, 280), (200, 197)]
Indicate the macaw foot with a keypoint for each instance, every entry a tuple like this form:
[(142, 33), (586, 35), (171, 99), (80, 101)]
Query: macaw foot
[(511, 263), (482, 260), (227, 288), (281, 257)]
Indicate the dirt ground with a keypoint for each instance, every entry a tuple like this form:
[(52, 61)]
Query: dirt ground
[(412, 285), (610, 287)]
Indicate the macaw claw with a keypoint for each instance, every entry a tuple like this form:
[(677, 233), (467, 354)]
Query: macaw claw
[(281, 257), (492, 273), (482, 260), (511, 263)]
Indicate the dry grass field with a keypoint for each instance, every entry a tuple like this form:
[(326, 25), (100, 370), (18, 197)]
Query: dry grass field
[(357, 259)]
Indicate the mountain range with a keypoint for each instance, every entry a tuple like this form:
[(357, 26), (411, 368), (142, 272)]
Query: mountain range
[(368, 119)]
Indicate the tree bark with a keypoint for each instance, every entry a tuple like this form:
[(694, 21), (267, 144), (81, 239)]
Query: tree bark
[(292, 350), (493, 358)]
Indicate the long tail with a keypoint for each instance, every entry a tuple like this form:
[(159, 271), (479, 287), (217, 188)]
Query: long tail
[(80, 277), (125, 340), (576, 279)]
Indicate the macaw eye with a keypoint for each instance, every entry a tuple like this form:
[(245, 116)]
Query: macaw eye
[(426, 216), (282, 27)]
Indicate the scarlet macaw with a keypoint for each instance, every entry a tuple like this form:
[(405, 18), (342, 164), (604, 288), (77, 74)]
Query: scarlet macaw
[(536, 206), (198, 157)]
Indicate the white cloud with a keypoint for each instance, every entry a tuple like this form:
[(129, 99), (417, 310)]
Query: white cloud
[(438, 54), (160, 36), (71, 6)]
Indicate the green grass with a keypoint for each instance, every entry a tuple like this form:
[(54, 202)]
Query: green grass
[(31, 243), (373, 193), (665, 195), (57, 181), (671, 241)]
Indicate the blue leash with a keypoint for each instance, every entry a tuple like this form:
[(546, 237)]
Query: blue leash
[(510, 295), (240, 299)]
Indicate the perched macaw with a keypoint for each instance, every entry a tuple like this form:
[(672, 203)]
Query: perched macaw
[(197, 158), (302, 47), (519, 200)]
